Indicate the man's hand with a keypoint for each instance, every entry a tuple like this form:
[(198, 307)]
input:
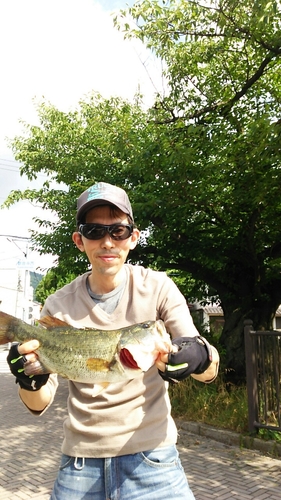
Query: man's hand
[(190, 355), (22, 359)]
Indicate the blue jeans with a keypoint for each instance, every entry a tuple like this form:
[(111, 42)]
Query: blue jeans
[(151, 475)]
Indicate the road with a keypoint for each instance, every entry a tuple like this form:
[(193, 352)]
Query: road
[(30, 454)]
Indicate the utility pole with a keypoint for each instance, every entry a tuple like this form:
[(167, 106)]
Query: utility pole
[(26, 266), (26, 287)]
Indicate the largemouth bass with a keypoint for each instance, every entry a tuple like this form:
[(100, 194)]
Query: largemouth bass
[(89, 355)]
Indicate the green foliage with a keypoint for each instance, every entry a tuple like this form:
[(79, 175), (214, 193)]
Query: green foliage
[(75, 149), (192, 289), (54, 280), (212, 404), (268, 434), (219, 158), (216, 404)]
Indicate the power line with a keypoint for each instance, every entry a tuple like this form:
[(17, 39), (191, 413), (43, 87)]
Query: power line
[(15, 237), (7, 268), (13, 289), (11, 161), (8, 168)]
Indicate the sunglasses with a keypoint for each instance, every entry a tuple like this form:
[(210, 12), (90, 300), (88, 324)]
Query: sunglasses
[(98, 231)]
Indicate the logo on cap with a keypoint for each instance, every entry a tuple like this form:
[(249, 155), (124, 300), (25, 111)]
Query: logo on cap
[(99, 191)]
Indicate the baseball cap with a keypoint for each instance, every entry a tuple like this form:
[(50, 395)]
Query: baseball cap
[(103, 193)]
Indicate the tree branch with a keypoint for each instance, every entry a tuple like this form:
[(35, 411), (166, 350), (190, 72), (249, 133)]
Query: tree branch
[(222, 107), (271, 48)]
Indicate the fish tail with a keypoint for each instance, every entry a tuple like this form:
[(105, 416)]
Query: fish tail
[(7, 326)]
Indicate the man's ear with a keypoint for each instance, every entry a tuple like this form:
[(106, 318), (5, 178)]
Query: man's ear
[(77, 240), (134, 238)]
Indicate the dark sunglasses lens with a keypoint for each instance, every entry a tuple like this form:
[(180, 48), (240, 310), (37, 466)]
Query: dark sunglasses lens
[(97, 232), (92, 232), (120, 232)]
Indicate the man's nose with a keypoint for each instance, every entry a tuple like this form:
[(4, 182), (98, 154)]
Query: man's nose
[(107, 241)]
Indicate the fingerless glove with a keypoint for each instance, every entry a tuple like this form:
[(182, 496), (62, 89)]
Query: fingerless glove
[(194, 356), (17, 363)]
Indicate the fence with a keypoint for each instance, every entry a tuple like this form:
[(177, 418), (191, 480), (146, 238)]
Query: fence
[(263, 369)]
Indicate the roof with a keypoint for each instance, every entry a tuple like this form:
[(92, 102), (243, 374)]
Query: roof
[(213, 310), (278, 312)]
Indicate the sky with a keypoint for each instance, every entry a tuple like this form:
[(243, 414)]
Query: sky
[(58, 51)]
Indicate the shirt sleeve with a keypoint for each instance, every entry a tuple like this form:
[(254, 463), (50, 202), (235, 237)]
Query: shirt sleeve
[(52, 384), (174, 311)]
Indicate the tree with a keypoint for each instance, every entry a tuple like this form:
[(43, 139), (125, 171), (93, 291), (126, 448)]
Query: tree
[(74, 150), (221, 165), (202, 167), (51, 282)]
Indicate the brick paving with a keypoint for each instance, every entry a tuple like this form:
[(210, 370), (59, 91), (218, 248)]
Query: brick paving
[(30, 454)]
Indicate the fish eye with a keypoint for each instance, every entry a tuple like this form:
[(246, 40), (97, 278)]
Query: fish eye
[(145, 325)]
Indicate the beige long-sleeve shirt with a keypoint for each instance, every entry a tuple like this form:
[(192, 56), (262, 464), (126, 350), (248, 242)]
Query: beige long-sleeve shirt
[(134, 415)]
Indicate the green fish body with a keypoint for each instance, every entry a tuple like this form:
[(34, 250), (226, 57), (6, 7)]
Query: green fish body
[(89, 355)]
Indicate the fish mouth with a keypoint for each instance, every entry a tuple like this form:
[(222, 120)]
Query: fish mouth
[(127, 359)]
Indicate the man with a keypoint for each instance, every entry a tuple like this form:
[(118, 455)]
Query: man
[(119, 444)]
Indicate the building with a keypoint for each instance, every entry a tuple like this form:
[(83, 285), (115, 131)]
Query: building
[(212, 316)]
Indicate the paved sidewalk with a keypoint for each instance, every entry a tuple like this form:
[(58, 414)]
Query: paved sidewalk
[(30, 454)]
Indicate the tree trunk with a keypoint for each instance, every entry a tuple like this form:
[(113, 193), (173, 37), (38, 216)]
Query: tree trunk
[(232, 337)]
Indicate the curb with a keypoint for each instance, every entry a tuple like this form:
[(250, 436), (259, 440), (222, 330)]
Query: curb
[(271, 448)]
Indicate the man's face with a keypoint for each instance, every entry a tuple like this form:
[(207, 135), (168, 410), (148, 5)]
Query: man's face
[(106, 255)]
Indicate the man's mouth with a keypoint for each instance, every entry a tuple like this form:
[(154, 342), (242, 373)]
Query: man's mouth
[(108, 258)]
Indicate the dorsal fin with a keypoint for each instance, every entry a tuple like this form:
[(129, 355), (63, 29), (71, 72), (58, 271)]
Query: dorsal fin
[(52, 322)]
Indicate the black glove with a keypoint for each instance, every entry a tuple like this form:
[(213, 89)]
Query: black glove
[(17, 364), (194, 356)]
